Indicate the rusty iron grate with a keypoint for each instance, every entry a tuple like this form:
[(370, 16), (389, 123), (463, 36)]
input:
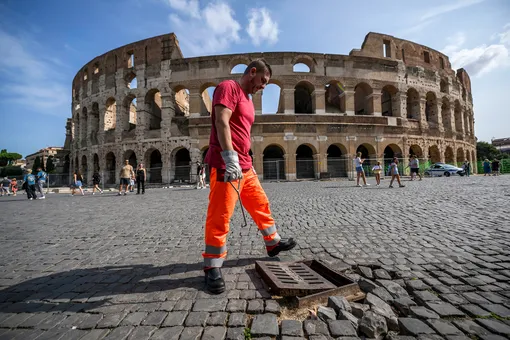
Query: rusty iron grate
[(292, 278), (308, 281)]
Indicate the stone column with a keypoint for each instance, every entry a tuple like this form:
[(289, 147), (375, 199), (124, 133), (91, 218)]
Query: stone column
[(167, 113), (121, 122), (90, 167), (100, 131), (142, 119), (288, 99), (349, 102), (257, 102), (373, 104), (319, 97), (195, 102), (88, 131), (290, 166), (423, 118), (439, 116), (258, 164)]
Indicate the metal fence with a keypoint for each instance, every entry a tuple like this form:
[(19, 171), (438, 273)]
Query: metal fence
[(273, 170), (504, 166)]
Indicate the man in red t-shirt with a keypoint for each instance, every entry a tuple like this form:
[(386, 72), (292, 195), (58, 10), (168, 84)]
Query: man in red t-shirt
[(229, 160)]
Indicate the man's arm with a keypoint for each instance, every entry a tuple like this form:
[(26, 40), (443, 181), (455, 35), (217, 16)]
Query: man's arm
[(222, 119)]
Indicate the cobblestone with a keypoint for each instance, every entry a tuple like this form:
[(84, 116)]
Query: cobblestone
[(97, 272)]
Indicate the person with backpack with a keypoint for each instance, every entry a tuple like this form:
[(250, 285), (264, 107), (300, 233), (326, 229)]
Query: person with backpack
[(40, 181), (96, 179), (29, 185)]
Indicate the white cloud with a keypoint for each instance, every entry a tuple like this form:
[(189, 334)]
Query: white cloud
[(214, 32), (189, 7), (439, 10), (481, 59), (261, 27), (31, 79)]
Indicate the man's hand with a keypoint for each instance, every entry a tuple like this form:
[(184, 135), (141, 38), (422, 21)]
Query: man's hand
[(232, 168)]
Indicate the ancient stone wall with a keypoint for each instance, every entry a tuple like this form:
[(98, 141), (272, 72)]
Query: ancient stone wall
[(145, 102)]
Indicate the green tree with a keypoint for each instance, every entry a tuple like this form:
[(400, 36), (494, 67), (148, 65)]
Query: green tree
[(37, 164), (486, 150), (7, 158), (50, 167)]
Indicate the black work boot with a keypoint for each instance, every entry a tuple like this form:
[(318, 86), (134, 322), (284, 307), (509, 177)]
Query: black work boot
[(283, 245), (214, 281)]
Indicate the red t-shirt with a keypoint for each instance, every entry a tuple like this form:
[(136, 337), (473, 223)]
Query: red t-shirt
[(230, 94)]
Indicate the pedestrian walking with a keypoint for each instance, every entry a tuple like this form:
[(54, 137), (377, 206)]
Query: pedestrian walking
[(14, 186), (141, 177), (126, 173), (96, 180), (4, 190), (468, 168), (29, 185), (232, 173), (200, 176), (359, 170), (77, 183), (486, 167), (414, 164), (394, 173), (377, 169), (495, 167), (40, 181)]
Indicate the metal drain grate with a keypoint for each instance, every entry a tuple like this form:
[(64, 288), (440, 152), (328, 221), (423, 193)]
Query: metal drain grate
[(292, 278)]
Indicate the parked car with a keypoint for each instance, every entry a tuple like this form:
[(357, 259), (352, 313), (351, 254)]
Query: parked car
[(441, 169)]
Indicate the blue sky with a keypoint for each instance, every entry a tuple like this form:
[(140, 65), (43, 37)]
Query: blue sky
[(44, 43)]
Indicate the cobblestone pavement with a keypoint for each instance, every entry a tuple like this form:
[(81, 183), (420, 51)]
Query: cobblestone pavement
[(104, 266)]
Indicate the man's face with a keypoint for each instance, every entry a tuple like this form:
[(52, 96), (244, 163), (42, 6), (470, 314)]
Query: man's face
[(258, 81)]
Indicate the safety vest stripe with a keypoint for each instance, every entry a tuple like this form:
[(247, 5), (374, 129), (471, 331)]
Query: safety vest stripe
[(213, 262), (273, 242), (268, 231)]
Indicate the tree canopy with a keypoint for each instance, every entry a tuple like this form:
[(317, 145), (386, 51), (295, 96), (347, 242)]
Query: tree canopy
[(488, 151), (7, 158)]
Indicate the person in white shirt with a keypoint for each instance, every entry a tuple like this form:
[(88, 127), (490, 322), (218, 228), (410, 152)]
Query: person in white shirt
[(414, 164), (394, 173), (377, 169), (359, 169)]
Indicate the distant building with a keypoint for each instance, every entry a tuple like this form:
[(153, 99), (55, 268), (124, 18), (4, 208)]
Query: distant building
[(502, 144), (43, 155)]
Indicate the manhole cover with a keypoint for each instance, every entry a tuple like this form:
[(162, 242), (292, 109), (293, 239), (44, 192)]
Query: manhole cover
[(292, 278)]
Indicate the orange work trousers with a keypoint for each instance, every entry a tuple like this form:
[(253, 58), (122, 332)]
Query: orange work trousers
[(222, 201)]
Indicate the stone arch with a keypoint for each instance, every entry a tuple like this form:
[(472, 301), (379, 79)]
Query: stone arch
[(460, 155), (337, 160), (238, 69), (153, 106), (181, 163), (130, 155), (203, 152), (272, 98), (94, 122), (153, 165), (110, 171), (304, 59), (448, 155), (84, 166), (388, 100), (96, 163), (238, 60), (431, 113), (273, 162), (458, 116), (303, 99), (368, 153), (413, 104), (335, 97), (445, 114), (362, 99), (434, 154), (110, 116), (181, 101), (305, 167), (206, 92), (391, 151), (416, 150), (443, 86)]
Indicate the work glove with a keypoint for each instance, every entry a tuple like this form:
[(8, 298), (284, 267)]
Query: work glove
[(232, 168)]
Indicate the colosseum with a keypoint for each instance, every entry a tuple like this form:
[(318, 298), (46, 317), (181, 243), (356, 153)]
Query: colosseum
[(146, 102)]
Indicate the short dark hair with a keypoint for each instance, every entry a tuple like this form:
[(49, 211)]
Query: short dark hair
[(260, 65)]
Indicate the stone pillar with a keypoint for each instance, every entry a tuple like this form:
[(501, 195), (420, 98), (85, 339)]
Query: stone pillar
[(319, 98), (439, 116), (142, 119), (88, 131), (90, 167), (257, 102), (167, 113), (374, 104), (398, 105), (290, 166), (423, 118), (349, 102), (100, 130), (288, 100), (120, 122), (195, 102), (258, 164)]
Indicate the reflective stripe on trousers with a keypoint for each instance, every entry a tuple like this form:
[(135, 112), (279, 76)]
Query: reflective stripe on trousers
[(222, 201)]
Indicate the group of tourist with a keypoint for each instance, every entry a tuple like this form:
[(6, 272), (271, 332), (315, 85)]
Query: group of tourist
[(31, 184), (491, 167)]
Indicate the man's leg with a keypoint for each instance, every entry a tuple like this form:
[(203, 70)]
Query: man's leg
[(222, 200), (255, 201)]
